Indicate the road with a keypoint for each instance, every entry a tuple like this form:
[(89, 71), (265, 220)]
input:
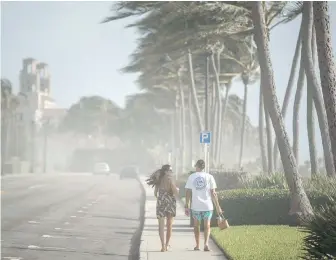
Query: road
[(77, 217)]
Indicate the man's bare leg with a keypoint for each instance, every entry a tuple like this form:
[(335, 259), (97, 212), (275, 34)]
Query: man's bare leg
[(207, 231), (197, 233)]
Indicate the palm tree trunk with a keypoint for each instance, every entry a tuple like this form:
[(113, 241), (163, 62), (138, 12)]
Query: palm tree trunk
[(219, 111), (288, 93), (270, 167), (300, 202), (311, 117), (219, 108), (261, 132), (173, 137), (311, 77), (191, 127), (296, 110), (222, 118), (194, 93), (242, 133), (177, 133), (213, 124), (182, 124), (327, 69)]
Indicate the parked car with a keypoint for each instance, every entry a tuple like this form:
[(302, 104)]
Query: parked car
[(129, 172), (101, 168)]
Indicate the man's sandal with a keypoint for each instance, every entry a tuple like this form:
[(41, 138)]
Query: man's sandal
[(206, 248)]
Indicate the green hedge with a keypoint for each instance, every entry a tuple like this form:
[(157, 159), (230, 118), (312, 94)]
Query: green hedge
[(262, 206)]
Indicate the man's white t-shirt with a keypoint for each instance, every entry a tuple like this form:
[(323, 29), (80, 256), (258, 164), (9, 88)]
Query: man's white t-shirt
[(201, 184)]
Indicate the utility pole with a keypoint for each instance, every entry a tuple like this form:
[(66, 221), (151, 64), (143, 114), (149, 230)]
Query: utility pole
[(32, 155), (45, 144)]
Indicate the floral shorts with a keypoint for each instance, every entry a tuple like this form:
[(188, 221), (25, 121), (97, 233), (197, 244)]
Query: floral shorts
[(202, 215)]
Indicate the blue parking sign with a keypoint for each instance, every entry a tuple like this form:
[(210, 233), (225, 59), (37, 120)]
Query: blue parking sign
[(205, 137)]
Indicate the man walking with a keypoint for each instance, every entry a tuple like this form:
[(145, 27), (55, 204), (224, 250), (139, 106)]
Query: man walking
[(201, 190)]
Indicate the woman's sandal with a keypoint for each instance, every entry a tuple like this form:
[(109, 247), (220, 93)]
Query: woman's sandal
[(206, 248), (196, 249)]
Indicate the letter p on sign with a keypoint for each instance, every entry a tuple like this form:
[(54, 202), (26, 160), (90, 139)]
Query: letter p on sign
[(205, 137)]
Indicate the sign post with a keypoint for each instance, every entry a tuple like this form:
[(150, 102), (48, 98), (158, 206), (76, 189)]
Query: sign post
[(205, 139)]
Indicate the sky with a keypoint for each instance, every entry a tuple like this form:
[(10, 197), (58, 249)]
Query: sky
[(85, 56)]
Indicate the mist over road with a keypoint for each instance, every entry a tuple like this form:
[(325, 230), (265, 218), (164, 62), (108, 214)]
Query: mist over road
[(75, 216)]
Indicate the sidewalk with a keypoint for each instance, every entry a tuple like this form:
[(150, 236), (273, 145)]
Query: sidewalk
[(182, 240)]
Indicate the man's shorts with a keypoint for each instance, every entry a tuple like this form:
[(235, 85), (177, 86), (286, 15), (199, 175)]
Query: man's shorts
[(202, 215)]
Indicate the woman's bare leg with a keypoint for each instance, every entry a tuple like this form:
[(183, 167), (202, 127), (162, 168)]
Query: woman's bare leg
[(169, 230), (161, 233)]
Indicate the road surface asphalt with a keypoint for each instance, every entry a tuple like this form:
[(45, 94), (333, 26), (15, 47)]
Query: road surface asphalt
[(70, 216)]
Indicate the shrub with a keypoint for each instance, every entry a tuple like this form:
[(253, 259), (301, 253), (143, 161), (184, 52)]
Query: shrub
[(321, 235), (228, 180), (262, 206), (323, 184), (263, 181), (320, 183)]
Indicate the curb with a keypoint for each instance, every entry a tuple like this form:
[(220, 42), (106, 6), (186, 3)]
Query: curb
[(136, 242), (227, 256), (143, 255)]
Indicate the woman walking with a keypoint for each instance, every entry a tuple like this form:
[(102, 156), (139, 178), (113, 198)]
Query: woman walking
[(165, 192)]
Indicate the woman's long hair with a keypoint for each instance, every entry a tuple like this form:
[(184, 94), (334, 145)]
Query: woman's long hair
[(157, 176)]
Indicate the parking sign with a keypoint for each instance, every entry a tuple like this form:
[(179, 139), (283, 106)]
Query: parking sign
[(205, 137)]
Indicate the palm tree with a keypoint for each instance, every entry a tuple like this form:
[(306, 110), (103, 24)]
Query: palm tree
[(270, 166), (262, 131), (296, 108), (311, 77), (288, 92), (327, 68), (299, 200), (186, 30), (314, 169)]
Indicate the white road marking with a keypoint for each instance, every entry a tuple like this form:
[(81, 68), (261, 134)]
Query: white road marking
[(33, 247), (46, 248), (57, 228), (33, 222), (65, 229), (62, 237), (73, 217), (37, 186), (80, 211), (84, 207), (66, 223), (12, 258)]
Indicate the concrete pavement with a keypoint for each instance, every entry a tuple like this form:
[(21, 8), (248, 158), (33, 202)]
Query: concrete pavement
[(75, 217), (182, 241)]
